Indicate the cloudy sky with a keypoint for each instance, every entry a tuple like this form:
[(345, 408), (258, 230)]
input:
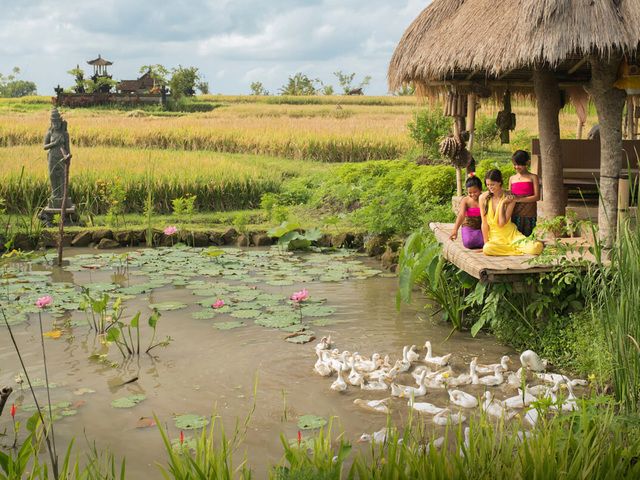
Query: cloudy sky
[(233, 43)]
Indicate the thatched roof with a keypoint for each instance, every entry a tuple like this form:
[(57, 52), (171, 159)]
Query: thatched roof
[(499, 41)]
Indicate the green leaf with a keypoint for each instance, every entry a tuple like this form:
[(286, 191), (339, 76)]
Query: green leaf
[(135, 320), (191, 421), (308, 422), (127, 402), (153, 319)]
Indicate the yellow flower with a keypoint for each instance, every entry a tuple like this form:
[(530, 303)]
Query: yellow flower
[(445, 374), (99, 180), (591, 377), (115, 201), (194, 197), (517, 415)]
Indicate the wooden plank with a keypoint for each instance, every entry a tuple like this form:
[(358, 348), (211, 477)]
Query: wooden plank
[(488, 269)]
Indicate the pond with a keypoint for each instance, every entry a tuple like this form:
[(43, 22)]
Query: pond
[(215, 358)]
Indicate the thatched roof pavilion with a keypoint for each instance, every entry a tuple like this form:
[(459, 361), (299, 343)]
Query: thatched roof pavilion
[(532, 47)]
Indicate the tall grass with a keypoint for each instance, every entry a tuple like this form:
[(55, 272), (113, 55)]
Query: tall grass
[(615, 283)]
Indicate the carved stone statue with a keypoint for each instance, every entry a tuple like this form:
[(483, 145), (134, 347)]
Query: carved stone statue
[(56, 141)]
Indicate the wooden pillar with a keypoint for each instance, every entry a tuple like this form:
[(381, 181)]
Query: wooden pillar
[(579, 130), (548, 98), (609, 102)]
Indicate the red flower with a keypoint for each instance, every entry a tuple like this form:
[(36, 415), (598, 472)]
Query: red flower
[(13, 410), (181, 437), (299, 437)]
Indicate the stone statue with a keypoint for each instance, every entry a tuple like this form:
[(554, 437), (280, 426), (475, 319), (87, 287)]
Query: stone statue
[(56, 141)]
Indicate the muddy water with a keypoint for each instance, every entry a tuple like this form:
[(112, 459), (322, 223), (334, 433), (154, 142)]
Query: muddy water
[(204, 370)]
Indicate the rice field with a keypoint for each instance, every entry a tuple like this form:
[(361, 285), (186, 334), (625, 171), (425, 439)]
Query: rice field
[(219, 181), (228, 157)]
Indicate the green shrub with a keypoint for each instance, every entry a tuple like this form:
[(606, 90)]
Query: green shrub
[(436, 183), (427, 129)]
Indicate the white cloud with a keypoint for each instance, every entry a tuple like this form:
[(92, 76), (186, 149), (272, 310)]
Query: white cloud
[(233, 43)]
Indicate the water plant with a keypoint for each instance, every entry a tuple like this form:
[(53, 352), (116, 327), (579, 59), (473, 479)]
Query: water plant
[(121, 334), (100, 318), (289, 237)]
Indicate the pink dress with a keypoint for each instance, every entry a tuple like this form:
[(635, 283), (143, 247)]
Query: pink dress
[(524, 215)]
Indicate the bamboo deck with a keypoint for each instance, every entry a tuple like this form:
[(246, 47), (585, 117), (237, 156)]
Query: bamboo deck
[(488, 268)]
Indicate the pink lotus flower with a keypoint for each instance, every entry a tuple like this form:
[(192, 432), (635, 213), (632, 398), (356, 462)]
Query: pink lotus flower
[(170, 230), (218, 304), (299, 296), (43, 301)]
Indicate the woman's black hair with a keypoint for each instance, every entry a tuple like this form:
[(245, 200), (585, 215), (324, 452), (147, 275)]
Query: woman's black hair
[(494, 175), (473, 182), (520, 157)]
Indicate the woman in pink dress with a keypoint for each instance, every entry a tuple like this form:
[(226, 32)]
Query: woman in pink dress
[(525, 187)]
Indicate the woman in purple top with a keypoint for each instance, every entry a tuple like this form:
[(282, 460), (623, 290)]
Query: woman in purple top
[(469, 216)]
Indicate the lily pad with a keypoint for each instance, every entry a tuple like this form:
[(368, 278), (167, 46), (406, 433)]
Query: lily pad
[(185, 422), (277, 321), (205, 314), (318, 311), (127, 402), (280, 282), (300, 337), (228, 325), (310, 421), (246, 313), (168, 305)]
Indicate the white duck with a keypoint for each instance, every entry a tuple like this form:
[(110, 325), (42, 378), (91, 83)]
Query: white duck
[(339, 385), (445, 417), (463, 399), (552, 377), (373, 385), (425, 407), (324, 343), (495, 408), (412, 354), (355, 378), (404, 365), (368, 366), (543, 390), (569, 404), (381, 406), (378, 437), (520, 401), (419, 391), (465, 378), (491, 380), (429, 358), (485, 369), (337, 360), (322, 367), (530, 360), (514, 379)]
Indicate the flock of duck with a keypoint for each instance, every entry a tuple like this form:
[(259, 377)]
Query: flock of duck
[(433, 373)]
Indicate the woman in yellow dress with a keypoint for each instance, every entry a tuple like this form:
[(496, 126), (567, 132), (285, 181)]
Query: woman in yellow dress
[(496, 207)]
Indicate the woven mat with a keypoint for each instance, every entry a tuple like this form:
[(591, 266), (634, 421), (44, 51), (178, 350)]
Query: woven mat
[(484, 267)]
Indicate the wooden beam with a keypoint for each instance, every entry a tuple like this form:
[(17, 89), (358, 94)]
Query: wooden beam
[(506, 73), (577, 65), (497, 83), (470, 76)]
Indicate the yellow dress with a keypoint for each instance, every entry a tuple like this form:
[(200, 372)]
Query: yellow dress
[(501, 239)]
